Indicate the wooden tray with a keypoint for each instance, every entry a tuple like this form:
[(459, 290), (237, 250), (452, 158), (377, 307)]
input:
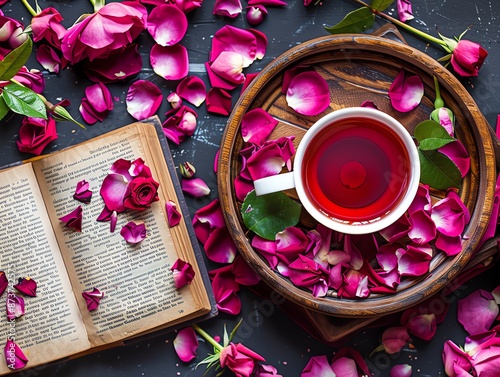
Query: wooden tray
[(359, 68)]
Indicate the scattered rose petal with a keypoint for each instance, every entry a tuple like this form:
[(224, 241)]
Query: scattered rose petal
[(48, 58), (183, 273), (477, 311), (454, 357), (423, 326), (457, 153), (255, 14), (180, 122), (450, 215), (170, 62), (394, 339), (174, 100), (227, 8), (174, 217), (401, 370), (228, 65), (257, 125), (143, 99), (406, 91), (167, 24), (14, 306), (405, 12), (318, 366), (233, 39), (93, 298), (96, 104), (192, 89), (83, 192), (133, 232), (345, 366), (219, 101), (186, 344), (26, 286), (35, 134), (225, 290), (308, 93), (4, 282), (14, 356), (73, 219), (195, 187)]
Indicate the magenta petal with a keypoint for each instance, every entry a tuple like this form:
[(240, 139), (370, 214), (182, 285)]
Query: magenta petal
[(227, 8), (268, 3), (219, 101), (133, 232), (450, 215), (173, 215), (414, 261), (406, 91), (255, 14), (454, 356), (97, 103), (450, 245), (233, 39), (14, 306), (401, 370), (183, 273), (167, 24), (318, 366), (345, 366), (308, 93), (206, 219), (26, 286), (394, 339), (14, 356), (143, 99), (195, 187), (48, 58), (113, 190), (423, 326), (73, 219), (219, 246), (92, 298), (83, 192), (229, 66), (423, 229), (186, 344), (477, 311), (457, 153), (170, 62), (257, 125), (192, 89), (261, 43), (405, 12)]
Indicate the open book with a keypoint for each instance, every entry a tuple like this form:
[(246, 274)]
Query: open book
[(139, 293)]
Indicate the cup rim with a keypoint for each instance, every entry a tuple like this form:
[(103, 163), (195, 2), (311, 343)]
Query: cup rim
[(374, 225)]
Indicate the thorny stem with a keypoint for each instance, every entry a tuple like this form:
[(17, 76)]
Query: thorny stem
[(29, 7), (426, 36), (207, 337)]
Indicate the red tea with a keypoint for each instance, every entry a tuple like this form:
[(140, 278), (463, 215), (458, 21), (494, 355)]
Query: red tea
[(356, 170)]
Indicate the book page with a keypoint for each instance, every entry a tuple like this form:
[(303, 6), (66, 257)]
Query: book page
[(51, 327), (136, 280)]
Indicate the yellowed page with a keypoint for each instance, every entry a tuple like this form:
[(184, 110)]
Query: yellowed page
[(137, 281), (52, 327)]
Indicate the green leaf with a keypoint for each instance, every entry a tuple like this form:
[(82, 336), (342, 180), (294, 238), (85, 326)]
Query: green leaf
[(356, 21), (269, 214), (4, 109), (14, 60), (431, 135), (438, 171), (381, 5), (24, 101)]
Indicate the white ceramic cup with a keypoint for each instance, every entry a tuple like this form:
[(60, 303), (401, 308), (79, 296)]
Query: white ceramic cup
[(355, 177)]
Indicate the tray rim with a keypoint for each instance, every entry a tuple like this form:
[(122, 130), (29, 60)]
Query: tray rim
[(371, 306)]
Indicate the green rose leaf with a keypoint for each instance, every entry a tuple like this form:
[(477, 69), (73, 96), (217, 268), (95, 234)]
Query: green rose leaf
[(24, 101), (14, 60), (381, 5), (431, 135), (438, 171), (4, 109), (356, 21), (269, 214)]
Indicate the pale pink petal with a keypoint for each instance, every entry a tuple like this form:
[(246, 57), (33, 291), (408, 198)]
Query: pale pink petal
[(170, 62), (48, 58), (183, 273), (133, 232), (405, 12), (174, 100), (394, 339), (423, 326), (257, 125), (186, 344), (219, 101), (308, 93), (227, 8), (422, 229), (195, 187), (318, 366), (233, 39), (255, 14), (167, 24), (143, 99), (261, 40), (345, 367), (229, 66), (174, 217), (401, 370), (454, 356), (414, 261), (450, 215), (477, 311), (406, 91), (192, 89)]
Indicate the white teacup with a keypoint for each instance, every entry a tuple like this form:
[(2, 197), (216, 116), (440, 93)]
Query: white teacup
[(356, 171)]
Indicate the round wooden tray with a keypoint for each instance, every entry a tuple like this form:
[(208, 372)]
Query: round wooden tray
[(359, 68)]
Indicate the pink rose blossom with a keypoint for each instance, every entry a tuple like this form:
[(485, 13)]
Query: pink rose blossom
[(46, 25), (467, 58), (35, 134)]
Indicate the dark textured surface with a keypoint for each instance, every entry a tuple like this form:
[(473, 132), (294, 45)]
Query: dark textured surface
[(265, 328)]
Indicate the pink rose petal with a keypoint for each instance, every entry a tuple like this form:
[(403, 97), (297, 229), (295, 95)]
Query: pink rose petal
[(227, 8), (405, 12), (229, 66), (257, 125), (133, 232), (308, 93), (423, 326), (14, 356), (174, 217), (255, 14), (233, 39), (167, 24), (318, 366), (219, 101), (73, 219), (406, 91), (195, 187), (183, 273), (401, 370), (192, 89), (93, 298), (48, 58), (345, 366), (143, 99), (477, 311), (186, 344), (14, 306), (394, 339), (170, 62), (83, 192)]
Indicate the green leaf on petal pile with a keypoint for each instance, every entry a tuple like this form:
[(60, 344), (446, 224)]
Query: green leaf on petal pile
[(15, 60), (269, 214), (436, 169), (24, 101)]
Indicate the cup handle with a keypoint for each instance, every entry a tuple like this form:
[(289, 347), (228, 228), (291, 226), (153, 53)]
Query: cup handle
[(274, 183)]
